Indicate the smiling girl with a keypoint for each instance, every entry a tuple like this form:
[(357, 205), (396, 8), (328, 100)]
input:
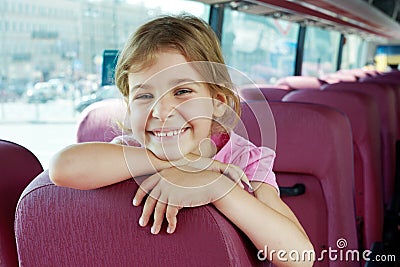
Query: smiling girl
[(181, 112)]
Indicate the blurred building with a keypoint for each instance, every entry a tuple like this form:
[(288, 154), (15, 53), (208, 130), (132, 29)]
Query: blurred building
[(45, 39)]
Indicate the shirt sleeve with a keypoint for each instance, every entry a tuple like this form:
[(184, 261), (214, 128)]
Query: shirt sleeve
[(259, 165), (125, 140)]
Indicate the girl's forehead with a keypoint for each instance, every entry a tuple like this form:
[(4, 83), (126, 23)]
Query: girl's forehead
[(168, 69)]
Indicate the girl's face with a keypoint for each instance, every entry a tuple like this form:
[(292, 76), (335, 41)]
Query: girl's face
[(171, 110)]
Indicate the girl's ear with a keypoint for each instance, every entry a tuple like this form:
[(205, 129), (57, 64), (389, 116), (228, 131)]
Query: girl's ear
[(220, 104)]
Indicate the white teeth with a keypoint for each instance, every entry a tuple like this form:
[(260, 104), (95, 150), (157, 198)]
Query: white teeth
[(170, 133)]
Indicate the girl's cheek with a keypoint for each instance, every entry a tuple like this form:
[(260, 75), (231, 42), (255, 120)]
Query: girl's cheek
[(196, 108), (138, 124)]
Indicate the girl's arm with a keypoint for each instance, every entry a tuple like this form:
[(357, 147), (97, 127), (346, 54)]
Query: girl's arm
[(268, 226), (94, 165), (268, 195)]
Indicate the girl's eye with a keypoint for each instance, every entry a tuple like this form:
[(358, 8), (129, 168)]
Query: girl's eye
[(143, 96), (183, 91)]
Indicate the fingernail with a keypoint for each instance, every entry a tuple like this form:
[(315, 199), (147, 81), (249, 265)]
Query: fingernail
[(169, 230), (153, 230), (141, 221), (135, 202)]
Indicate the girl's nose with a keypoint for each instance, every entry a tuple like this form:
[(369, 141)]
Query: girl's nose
[(163, 108)]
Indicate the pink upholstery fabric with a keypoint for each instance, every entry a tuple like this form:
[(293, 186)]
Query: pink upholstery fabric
[(372, 72), (391, 81), (386, 102), (314, 148), (301, 82), (99, 122), (340, 76), (262, 92), (18, 167), (358, 73), (58, 226), (363, 114)]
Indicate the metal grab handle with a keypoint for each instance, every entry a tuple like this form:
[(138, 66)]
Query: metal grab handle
[(296, 190)]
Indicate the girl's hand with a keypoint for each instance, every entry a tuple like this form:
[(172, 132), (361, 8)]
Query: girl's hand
[(193, 163), (172, 189)]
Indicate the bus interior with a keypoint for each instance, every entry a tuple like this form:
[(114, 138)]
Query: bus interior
[(326, 71)]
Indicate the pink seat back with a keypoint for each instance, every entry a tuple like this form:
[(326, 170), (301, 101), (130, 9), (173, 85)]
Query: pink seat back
[(100, 121), (301, 82), (386, 102), (314, 148), (358, 73), (58, 226), (18, 168), (393, 84), (262, 92), (340, 76), (363, 114)]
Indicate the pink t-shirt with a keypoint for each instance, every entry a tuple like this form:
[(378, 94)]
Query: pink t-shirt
[(256, 162)]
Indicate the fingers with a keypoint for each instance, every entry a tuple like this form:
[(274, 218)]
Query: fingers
[(154, 204), (148, 208), (171, 213), (137, 199), (159, 212), (160, 208), (145, 187)]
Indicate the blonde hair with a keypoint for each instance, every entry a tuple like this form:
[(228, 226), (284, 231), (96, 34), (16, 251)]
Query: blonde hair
[(189, 35)]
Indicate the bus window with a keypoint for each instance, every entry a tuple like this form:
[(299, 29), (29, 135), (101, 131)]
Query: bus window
[(354, 52), (387, 57), (263, 48), (51, 58), (321, 49)]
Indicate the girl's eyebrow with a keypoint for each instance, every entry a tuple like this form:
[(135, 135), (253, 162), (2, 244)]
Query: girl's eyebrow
[(181, 81), (172, 83), (139, 86)]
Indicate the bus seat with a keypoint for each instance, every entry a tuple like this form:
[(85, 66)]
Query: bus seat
[(387, 78), (385, 99), (358, 73), (363, 114), (301, 82), (392, 73), (56, 226), (99, 121), (18, 168), (371, 72), (341, 77), (314, 148), (393, 84), (262, 92), (328, 79)]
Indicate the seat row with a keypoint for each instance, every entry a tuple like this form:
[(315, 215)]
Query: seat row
[(371, 104)]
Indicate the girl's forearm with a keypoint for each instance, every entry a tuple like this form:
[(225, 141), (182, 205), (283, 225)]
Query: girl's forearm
[(264, 226), (94, 165)]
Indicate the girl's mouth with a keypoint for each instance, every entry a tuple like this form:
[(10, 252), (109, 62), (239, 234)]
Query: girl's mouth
[(169, 133)]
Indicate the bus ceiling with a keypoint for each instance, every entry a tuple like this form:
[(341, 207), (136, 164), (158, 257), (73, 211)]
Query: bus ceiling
[(366, 18)]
